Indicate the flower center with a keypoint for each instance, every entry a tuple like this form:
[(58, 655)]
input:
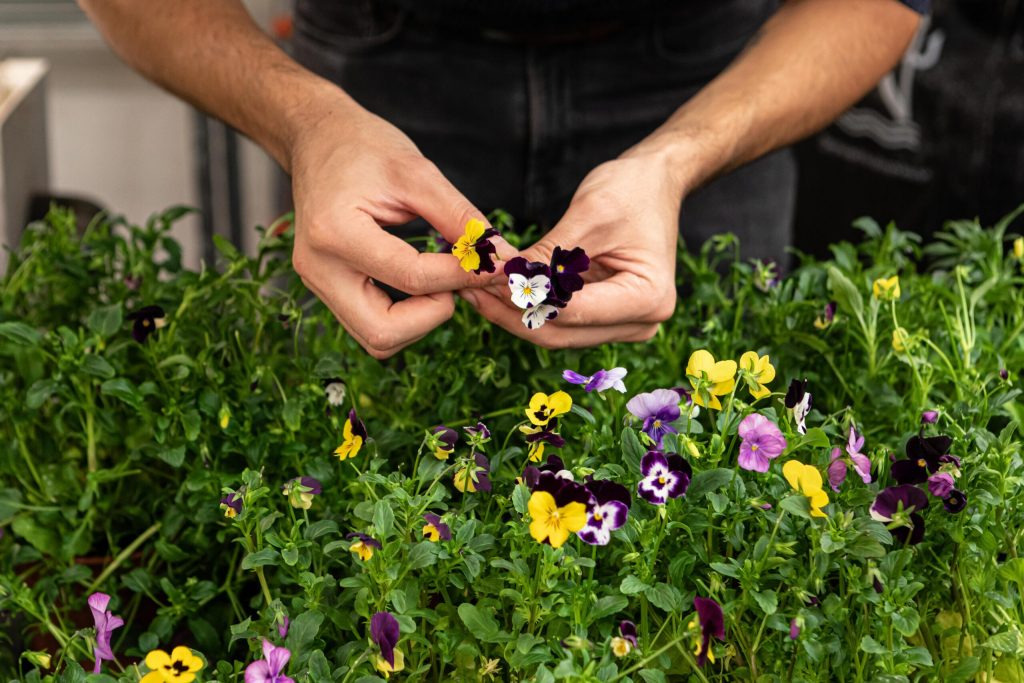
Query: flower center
[(661, 479), (527, 290), (657, 424), (921, 462), (560, 269), (598, 517), (179, 668), (754, 447)]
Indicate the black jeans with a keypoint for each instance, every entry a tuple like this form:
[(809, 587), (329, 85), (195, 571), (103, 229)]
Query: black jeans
[(516, 121)]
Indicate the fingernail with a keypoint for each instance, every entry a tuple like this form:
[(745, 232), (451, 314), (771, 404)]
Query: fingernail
[(469, 296)]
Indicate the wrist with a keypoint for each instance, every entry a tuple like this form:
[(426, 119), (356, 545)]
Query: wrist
[(689, 155)]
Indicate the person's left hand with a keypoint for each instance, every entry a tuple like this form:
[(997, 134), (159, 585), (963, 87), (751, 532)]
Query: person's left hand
[(625, 214)]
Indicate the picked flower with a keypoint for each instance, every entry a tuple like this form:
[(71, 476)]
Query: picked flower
[(557, 512), (442, 440), (900, 506), (626, 641), (828, 316), (600, 381), (539, 437), (664, 477), (335, 391), (231, 504), (178, 667), (806, 479), (435, 530), (363, 545), (271, 668), (709, 622), (474, 249), (474, 476), (146, 321), (761, 443), (543, 407), (759, 373), (530, 282), (606, 511), (566, 266), (886, 289), (353, 435), (300, 492), (537, 316), (861, 463), (105, 623), (385, 633), (709, 378), (798, 403), (658, 410)]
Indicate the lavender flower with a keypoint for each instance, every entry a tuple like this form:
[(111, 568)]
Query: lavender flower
[(271, 668), (600, 381), (658, 410), (762, 442), (929, 417), (105, 623)]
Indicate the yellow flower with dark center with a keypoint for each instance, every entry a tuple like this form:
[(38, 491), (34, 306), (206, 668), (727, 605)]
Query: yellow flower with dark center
[(886, 289), (554, 523), (178, 667), (353, 435), (468, 247), (760, 370), (709, 378), (807, 480), (388, 669), (544, 407)]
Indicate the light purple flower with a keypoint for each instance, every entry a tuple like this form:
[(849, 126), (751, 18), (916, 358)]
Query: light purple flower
[(271, 668), (606, 512), (600, 381), (105, 623), (940, 484), (658, 409), (762, 442), (794, 629), (283, 624), (929, 417), (479, 433), (664, 477), (384, 631)]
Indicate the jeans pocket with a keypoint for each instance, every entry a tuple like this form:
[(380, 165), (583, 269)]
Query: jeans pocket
[(346, 28), (705, 36)]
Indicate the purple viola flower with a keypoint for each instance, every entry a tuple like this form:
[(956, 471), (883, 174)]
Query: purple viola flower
[(528, 269), (271, 668), (902, 504), (231, 504), (146, 321), (798, 403), (105, 623), (443, 439), (363, 545), (538, 437), (658, 410), (940, 484), (824, 321), (711, 622), (1004, 374), (627, 629), (478, 433), (924, 456), (955, 502), (606, 512), (435, 530), (861, 463), (929, 417), (283, 623), (664, 477), (794, 629), (762, 442), (600, 381), (554, 467), (384, 631), (474, 476), (566, 266)]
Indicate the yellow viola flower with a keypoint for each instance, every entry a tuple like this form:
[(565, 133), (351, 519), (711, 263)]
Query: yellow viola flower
[(178, 667), (473, 475), (544, 407), (886, 289), (387, 669), (807, 480), (553, 522), (709, 378), (362, 545), (224, 418), (353, 436), (900, 338), (474, 249), (759, 369), (1018, 247)]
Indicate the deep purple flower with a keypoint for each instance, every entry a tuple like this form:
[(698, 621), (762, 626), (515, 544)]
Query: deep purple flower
[(528, 269), (538, 437), (105, 623), (798, 403), (924, 456), (478, 433), (929, 417), (902, 504), (600, 381), (955, 502), (712, 623), (444, 439), (231, 504), (566, 266), (606, 511), (384, 631), (824, 321), (794, 629), (876, 583), (664, 477), (146, 321), (940, 484), (627, 629), (435, 529), (1004, 374), (762, 442), (554, 467), (271, 668), (658, 410)]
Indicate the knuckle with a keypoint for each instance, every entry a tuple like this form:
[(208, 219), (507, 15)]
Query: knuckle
[(410, 277), (318, 235), (664, 309), (381, 340), (301, 262), (648, 332)]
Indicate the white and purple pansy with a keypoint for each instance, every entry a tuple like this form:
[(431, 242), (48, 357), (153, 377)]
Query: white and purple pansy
[(535, 316), (606, 511), (798, 403), (665, 476), (529, 292)]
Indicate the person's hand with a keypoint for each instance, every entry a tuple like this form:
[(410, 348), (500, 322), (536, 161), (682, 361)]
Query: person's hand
[(352, 173), (625, 214)]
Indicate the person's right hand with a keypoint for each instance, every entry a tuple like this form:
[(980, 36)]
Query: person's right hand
[(352, 174)]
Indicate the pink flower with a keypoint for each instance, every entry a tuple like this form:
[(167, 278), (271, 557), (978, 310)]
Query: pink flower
[(105, 622), (271, 668), (762, 442)]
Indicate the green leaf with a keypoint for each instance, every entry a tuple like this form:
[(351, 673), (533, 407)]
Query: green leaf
[(226, 249), (191, 424), (481, 623), (73, 673), (767, 600), (40, 391), (320, 528), (302, 631), (422, 555), (383, 518), (42, 537), (797, 504), (97, 366), (872, 646), (587, 416), (632, 450), (607, 606), (711, 480), (106, 320), (260, 558), (963, 671), (665, 597), (1013, 570), (175, 457), (631, 585), (846, 295), (19, 334), (121, 388), (1005, 642), (906, 620), (291, 413), (652, 676), (521, 498)]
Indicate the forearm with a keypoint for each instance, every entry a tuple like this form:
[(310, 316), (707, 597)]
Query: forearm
[(212, 54), (810, 62)]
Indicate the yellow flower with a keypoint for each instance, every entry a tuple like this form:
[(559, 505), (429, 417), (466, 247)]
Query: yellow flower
[(544, 407), (552, 523), (431, 533), (490, 668), (473, 475), (387, 669), (178, 667), (224, 417), (886, 289), (353, 436), (1018, 247), (760, 370), (465, 247), (621, 647), (710, 379), (806, 479), (362, 549), (900, 337)]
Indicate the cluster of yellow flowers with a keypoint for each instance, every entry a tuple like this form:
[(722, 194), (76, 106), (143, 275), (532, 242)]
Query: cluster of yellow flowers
[(711, 379)]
